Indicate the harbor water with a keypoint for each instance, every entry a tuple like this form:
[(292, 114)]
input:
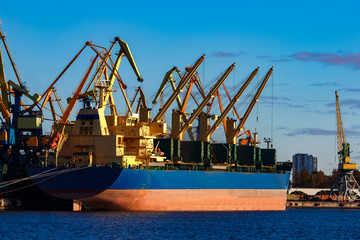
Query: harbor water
[(290, 224)]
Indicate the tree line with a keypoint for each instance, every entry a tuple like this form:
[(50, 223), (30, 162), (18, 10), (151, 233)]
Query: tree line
[(317, 179)]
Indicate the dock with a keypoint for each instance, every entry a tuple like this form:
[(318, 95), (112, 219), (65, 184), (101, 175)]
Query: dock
[(322, 204)]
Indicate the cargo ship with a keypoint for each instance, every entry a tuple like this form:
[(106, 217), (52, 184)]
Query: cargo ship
[(130, 161), (98, 172)]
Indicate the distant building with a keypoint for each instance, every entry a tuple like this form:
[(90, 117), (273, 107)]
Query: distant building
[(304, 161)]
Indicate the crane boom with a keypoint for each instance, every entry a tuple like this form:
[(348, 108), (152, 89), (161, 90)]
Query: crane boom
[(186, 98), (250, 107), (126, 50), (87, 92), (168, 78), (142, 97), (61, 74), (112, 78), (343, 147), (341, 139), (232, 103), (47, 97), (4, 112), (179, 88), (142, 100), (3, 84), (2, 36), (71, 105), (24, 91), (205, 101)]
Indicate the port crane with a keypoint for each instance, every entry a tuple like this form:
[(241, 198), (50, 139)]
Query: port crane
[(168, 79), (179, 126), (232, 132), (178, 131), (21, 139), (4, 102), (345, 188), (105, 74), (195, 80), (185, 79), (248, 140), (206, 136)]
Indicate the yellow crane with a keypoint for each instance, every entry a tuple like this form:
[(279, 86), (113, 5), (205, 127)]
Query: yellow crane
[(8, 88), (4, 99), (2, 36), (206, 137), (104, 66), (233, 133), (124, 51), (345, 187), (178, 132), (195, 79), (70, 106), (3, 84), (343, 147), (179, 88), (168, 78)]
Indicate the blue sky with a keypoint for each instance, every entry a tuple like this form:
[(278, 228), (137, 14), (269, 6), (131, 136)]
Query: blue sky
[(314, 48)]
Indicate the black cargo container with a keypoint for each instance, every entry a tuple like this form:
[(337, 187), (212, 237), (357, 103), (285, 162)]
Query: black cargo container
[(223, 152), (195, 152), (170, 148), (284, 166), (246, 155), (268, 157)]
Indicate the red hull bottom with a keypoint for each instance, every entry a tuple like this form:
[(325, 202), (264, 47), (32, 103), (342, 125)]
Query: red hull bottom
[(188, 200)]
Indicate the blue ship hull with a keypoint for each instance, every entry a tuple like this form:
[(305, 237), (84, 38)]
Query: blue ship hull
[(165, 190)]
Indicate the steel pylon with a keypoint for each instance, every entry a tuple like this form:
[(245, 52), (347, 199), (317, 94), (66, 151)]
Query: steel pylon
[(345, 188)]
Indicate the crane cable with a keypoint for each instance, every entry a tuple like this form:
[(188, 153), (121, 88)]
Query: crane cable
[(204, 71), (257, 104), (272, 107), (234, 81)]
